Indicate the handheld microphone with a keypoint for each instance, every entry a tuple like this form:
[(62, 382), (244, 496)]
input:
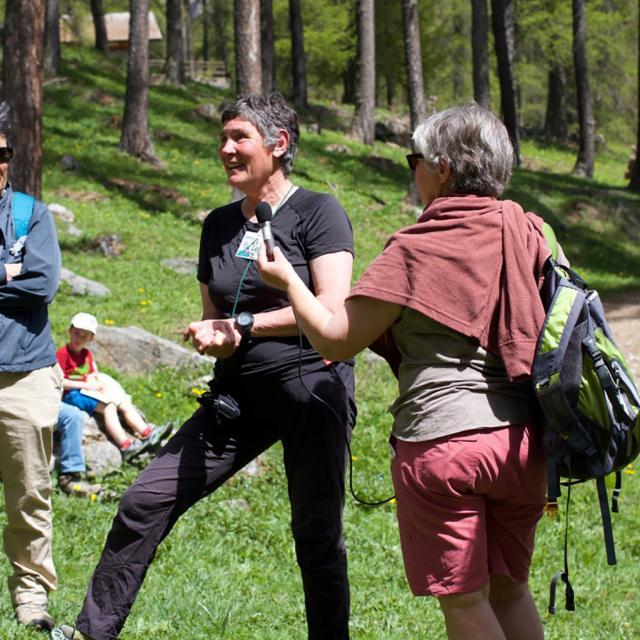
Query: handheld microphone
[(264, 215)]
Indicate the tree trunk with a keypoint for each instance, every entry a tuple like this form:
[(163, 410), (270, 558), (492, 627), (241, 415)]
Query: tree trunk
[(246, 20), (52, 39), (23, 50), (480, 52), (220, 39), (188, 40), (502, 20), (298, 57), (174, 64), (363, 122), (634, 184), (458, 52), (135, 124), (587, 124), (101, 44), (267, 46), (555, 127), (205, 34), (413, 61)]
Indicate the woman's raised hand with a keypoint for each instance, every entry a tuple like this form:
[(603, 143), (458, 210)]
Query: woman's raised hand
[(279, 272)]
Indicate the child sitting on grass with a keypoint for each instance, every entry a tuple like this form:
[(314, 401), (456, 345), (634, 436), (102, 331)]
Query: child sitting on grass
[(94, 392)]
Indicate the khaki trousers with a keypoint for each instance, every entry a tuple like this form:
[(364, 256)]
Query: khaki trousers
[(29, 406)]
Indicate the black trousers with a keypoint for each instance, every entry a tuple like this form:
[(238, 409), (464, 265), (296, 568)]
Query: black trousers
[(202, 455)]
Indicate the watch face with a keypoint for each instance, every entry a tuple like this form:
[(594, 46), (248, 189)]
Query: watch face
[(244, 320)]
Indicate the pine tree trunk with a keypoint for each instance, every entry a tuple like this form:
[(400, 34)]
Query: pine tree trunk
[(587, 124), (458, 75), (363, 123), (634, 184), (413, 61), (480, 52), (267, 46), (23, 75), (174, 64), (556, 118), (135, 124), (299, 59), (188, 40), (100, 29), (502, 21), (220, 40), (52, 39), (246, 20)]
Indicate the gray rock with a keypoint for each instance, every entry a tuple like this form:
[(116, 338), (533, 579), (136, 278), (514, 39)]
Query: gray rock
[(81, 286), (62, 212), (72, 230), (208, 112), (337, 148), (253, 469), (101, 457), (135, 351), (394, 130), (69, 163), (236, 503), (181, 265), (372, 358)]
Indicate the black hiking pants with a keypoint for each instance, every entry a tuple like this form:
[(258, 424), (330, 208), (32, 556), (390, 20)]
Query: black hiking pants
[(202, 455)]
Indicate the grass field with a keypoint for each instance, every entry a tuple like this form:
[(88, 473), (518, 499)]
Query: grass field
[(229, 573)]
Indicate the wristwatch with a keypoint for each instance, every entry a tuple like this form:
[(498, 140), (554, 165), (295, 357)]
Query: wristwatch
[(244, 323)]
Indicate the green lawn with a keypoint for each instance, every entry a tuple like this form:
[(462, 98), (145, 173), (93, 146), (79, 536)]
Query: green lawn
[(225, 572)]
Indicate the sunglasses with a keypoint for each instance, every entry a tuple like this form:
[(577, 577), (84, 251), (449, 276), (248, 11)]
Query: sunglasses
[(413, 159), (6, 153)]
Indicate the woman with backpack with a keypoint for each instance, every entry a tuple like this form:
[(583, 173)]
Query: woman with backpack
[(455, 299)]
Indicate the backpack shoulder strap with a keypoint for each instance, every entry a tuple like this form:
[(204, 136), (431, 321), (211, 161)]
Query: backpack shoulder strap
[(552, 241), (21, 210)]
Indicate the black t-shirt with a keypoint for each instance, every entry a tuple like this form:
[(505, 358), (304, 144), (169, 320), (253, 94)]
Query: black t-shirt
[(308, 225)]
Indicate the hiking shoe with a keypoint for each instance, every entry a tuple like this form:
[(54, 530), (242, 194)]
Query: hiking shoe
[(73, 484), (65, 632), (159, 434), (32, 614), (136, 448)]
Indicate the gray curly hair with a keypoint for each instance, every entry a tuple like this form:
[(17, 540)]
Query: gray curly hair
[(475, 144), (268, 114)]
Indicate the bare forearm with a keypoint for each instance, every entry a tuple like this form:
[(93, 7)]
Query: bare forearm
[(324, 329), (68, 385)]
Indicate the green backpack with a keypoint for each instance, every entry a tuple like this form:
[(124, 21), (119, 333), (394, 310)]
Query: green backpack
[(589, 400)]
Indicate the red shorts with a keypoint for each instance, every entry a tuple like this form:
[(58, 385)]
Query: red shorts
[(468, 505)]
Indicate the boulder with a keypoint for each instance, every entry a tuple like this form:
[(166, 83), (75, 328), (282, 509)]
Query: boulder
[(69, 163), (134, 351), (181, 265), (62, 212), (81, 286), (394, 130), (101, 457)]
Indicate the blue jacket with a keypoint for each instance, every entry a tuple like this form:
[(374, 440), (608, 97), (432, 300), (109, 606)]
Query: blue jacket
[(25, 334)]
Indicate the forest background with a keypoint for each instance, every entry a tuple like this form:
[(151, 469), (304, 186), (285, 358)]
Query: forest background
[(542, 40)]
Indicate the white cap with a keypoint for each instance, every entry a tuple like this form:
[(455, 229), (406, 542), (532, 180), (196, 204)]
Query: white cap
[(85, 321)]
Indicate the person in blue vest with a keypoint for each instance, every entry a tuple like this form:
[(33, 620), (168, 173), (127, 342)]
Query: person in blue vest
[(30, 392)]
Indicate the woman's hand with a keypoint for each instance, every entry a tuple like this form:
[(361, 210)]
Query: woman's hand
[(279, 273), (93, 383), (218, 338)]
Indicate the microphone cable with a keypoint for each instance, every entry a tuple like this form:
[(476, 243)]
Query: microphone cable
[(339, 421)]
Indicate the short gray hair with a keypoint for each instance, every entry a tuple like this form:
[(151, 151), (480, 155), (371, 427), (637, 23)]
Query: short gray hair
[(474, 143), (268, 114)]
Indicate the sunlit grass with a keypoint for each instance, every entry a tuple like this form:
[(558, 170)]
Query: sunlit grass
[(225, 572)]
